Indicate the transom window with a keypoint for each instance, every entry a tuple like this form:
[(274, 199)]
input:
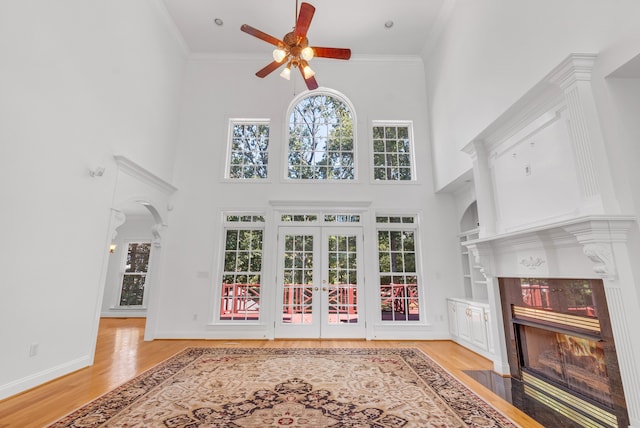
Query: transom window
[(392, 151), (398, 276), (240, 298), (320, 218), (321, 140), (248, 149)]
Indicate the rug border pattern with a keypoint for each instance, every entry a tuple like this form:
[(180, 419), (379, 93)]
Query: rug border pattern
[(434, 376)]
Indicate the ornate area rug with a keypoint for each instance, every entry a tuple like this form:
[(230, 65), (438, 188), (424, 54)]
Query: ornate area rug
[(263, 387)]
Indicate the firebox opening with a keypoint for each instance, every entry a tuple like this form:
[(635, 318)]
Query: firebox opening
[(560, 346)]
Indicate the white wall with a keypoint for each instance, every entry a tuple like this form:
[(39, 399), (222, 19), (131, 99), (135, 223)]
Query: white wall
[(379, 90), (80, 82), (492, 52)]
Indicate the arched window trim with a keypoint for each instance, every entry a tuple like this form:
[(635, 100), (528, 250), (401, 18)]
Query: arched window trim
[(294, 102)]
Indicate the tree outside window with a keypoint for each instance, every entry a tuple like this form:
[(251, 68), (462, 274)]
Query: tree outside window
[(398, 277), (392, 152), (248, 152), (135, 274), (321, 142)]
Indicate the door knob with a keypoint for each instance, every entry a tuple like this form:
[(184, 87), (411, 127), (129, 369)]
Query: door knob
[(324, 288), (315, 288)]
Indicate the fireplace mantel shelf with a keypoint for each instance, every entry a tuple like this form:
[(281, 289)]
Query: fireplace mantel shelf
[(542, 250), (612, 224)]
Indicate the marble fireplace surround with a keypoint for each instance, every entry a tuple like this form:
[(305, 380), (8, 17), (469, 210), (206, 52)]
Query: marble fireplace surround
[(595, 247)]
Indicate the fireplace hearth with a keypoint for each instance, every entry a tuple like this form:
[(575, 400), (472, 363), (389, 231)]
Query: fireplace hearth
[(560, 346)]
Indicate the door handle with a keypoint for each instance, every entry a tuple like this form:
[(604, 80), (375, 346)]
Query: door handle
[(324, 288), (315, 288)]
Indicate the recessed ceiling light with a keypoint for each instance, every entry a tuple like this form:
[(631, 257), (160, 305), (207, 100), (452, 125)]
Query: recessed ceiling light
[(388, 24), (218, 21)]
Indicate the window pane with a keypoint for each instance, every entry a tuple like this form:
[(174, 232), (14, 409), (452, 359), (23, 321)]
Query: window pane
[(241, 279), (132, 292), (249, 151), (398, 278), (391, 149), (321, 140), (138, 257)]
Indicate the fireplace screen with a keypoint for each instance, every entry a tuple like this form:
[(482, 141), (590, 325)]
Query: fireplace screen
[(574, 362)]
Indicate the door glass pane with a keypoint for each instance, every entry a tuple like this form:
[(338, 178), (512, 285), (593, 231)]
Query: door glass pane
[(342, 279), (297, 298)]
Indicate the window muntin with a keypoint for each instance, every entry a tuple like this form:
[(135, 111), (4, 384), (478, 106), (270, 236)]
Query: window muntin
[(398, 276), (338, 218), (135, 274), (242, 271), (321, 140), (392, 152), (248, 150)]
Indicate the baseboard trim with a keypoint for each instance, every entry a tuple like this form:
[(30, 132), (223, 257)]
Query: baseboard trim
[(37, 379)]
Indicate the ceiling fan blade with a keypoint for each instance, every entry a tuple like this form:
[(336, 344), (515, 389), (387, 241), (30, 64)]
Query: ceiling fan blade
[(261, 35), (304, 20), (310, 82), (336, 53), (263, 72)]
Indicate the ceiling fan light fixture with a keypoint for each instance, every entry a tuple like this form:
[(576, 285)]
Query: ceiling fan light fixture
[(308, 72), (286, 73), (307, 53), (279, 54)]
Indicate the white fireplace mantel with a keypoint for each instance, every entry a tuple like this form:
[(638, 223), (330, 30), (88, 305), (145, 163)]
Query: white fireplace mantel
[(536, 251), (588, 247)]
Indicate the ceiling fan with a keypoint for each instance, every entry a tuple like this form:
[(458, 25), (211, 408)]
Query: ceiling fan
[(294, 50)]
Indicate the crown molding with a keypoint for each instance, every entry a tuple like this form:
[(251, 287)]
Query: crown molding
[(161, 8), (133, 169)]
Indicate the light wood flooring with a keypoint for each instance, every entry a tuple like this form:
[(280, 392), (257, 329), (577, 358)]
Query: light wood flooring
[(122, 354)]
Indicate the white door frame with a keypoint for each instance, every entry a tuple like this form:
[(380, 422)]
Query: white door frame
[(347, 317)]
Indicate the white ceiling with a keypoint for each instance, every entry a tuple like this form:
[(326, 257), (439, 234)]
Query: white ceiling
[(355, 24)]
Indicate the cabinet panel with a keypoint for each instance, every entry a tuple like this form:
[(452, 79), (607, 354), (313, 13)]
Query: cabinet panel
[(453, 321), (477, 327), (470, 325), (462, 317)]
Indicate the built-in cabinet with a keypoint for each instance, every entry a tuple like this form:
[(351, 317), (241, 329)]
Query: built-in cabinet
[(475, 284), (470, 325), (469, 315)]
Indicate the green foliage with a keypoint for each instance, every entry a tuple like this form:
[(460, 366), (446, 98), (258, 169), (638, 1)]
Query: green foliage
[(321, 140), (249, 151)]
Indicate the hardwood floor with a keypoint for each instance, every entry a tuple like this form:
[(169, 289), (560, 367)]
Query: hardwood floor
[(122, 353)]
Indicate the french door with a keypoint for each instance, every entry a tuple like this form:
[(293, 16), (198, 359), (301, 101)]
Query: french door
[(320, 282)]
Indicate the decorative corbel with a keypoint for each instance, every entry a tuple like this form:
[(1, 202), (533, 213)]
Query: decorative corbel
[(601, 255), (156, 231), (482, 257), (597, 236), (117, 219)]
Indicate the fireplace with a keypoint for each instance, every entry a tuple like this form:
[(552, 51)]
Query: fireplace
[(560, 346)]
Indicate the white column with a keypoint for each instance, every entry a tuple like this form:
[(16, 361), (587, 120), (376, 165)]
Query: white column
[(484, 188), (573, 76), (604, 243)]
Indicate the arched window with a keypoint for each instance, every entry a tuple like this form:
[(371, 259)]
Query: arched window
[(321, 139)]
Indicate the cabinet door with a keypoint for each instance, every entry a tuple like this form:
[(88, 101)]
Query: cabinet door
[(453, 320), (487, 324), (462, 315), (478, 328)]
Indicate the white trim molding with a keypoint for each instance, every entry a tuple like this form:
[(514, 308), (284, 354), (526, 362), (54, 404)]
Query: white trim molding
[(135, 170)]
